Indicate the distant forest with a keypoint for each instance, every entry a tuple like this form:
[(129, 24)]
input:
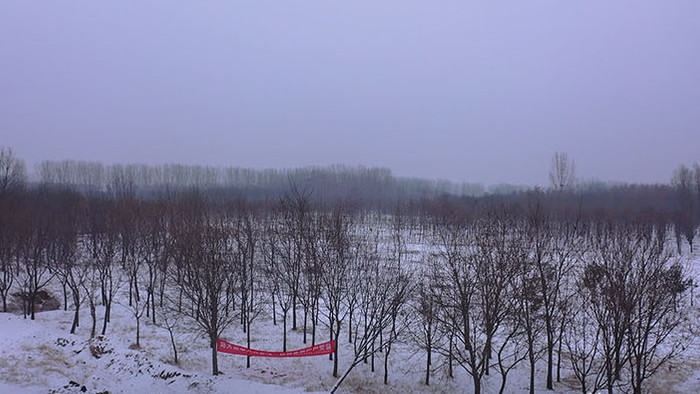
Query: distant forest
[(365, 187), (367, 184)]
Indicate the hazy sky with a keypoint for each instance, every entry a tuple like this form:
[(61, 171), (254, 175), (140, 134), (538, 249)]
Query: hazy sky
[(477, 91)]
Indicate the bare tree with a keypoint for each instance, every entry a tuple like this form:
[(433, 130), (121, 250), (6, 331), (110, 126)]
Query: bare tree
[(245, 259), (562, 172), (296, 211), (312, 280), (281, 269), (553, 246), (142, 231), (171, 321), (684, 216), (479, 267), (634, 288), (11, 216), (340, 253), (137, 308), (582, 339), (528, 311), (513, 346), (90, 286), (395, 266), (13, 172), (153, 241), (64, 252), (606, 280), (660, 283), (383, 289), (459, 299), (102, 247), (35, 235), (424, 331), (203, 252)]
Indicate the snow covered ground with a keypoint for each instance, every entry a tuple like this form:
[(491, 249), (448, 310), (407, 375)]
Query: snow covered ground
[(41, 356)]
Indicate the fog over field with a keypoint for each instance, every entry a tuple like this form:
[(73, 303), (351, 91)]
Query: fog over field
[(466, 91)]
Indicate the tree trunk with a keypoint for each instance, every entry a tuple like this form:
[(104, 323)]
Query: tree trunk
[(335, 359), (550, 363), (477, 383), (531, 355), (306, 310), (610, 375), (502, 389), (487, 353), (313, 325), (284, 331), (32, 304), (294, 311), (247, 359), (75, 320), (214, 358), (386, 364), (427, 365), (172, 342), (138, 332), (330, 355), (561, 331), (106, 319), (450, 358), (153, 306), (388, 349), (65, 296), (274, 310), (345, 375), (93, 315)]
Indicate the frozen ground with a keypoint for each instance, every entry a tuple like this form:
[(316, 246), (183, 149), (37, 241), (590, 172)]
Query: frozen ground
[(38, 357), (41, 356)]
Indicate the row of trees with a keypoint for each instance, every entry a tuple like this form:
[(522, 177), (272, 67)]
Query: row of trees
[(371, 184), (492, 288)]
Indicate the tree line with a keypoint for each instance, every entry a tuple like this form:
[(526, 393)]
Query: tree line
[(369, 184)]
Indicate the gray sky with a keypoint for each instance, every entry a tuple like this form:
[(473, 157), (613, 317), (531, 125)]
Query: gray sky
[(477, 91)]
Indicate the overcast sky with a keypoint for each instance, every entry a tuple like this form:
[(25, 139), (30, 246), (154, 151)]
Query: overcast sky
[(476, 91)]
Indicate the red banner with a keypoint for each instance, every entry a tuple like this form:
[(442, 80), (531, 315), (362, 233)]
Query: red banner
[(317, 350)]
